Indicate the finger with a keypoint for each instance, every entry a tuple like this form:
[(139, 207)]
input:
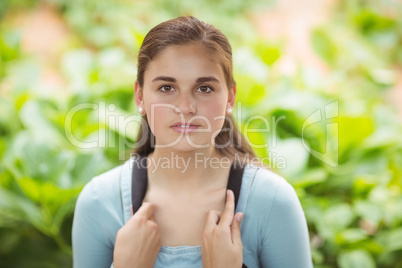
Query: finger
[(235, 228), (145, 210), (212, 220), (228, 212)]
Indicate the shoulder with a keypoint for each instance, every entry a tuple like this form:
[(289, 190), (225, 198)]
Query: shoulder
[(99, 207), (269, 190), (273, 205), (266, 181), (101, 189), (98, 216)]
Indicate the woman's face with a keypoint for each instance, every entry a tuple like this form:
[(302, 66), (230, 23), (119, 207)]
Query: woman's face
[(185, 97)]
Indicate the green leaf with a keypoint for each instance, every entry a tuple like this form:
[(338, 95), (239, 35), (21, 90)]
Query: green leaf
[(35, 158), (356, 258), (8, 241), (369, 21), (31, 188), (348, 139), (352, 235), (363, 184), (310, 177), (269, 53), (393, 212), (15, 209), (292, 153), (251, 91), (9, 46), (138, 37), (35, 120), (335, 219), (368, 210), (86, 166), (324, 45), (394, 240)]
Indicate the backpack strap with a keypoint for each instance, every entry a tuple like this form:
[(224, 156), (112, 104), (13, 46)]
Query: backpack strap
[(234, 183), (235, 180), (139, 182)]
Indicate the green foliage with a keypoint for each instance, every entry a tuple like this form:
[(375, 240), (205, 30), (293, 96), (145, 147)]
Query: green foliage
[(335, 138)]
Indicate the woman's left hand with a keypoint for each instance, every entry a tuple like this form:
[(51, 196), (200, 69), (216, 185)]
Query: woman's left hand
[(222, 246)]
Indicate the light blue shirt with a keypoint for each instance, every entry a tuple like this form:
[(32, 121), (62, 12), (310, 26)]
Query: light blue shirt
[(273, 231)]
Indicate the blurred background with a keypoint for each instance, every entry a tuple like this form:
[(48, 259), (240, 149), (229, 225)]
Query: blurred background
[(325, 78)]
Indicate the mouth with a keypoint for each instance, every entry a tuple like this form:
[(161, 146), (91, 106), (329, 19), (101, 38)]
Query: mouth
[(184, 127)]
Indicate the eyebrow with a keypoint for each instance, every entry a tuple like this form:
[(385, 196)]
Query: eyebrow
[(173, 80)]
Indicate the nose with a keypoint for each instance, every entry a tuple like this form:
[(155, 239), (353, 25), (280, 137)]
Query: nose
[(186, 104)]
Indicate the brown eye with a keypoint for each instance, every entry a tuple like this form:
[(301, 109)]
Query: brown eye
[(166, 88), (205, 89)]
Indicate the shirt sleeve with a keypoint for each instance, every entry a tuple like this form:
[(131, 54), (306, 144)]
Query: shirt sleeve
[(285, 240), (91, 247)]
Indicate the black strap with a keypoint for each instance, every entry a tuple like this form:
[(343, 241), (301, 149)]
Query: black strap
[(139, 182), (235, 179), (234, 183)]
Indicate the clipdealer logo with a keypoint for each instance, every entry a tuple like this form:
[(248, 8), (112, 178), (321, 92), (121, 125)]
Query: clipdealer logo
[(327, 116), (111, 121)]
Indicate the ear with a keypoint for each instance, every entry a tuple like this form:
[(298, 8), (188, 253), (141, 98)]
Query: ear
[(139, 101), (232, 96)]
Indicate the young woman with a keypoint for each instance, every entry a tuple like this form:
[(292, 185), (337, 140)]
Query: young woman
[(190, 153)]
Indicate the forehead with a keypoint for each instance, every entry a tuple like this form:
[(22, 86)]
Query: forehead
[(185, 61)]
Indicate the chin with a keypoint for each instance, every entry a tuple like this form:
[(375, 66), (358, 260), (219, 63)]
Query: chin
[(188, 148), (185, 146)]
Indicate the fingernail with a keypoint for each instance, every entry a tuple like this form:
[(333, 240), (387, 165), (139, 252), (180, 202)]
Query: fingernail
[(229, 192), (239, 217)]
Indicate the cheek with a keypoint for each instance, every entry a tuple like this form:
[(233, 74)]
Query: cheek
[(158, 116), (215, 114)]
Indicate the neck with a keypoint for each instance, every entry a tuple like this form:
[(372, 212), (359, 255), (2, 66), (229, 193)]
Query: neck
[(190, 170)]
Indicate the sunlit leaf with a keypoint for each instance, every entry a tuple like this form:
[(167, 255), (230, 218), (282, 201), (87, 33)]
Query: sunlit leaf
[(357, 258)]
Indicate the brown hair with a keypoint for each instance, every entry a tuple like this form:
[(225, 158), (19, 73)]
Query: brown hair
[(180, 31)]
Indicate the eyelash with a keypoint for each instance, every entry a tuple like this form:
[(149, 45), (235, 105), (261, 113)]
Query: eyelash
[(211, 88)]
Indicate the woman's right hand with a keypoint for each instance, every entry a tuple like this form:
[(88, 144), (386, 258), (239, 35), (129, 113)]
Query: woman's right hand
[(222, 246), (138, 242)]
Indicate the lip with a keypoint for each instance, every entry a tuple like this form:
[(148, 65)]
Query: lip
[(184, 127)]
